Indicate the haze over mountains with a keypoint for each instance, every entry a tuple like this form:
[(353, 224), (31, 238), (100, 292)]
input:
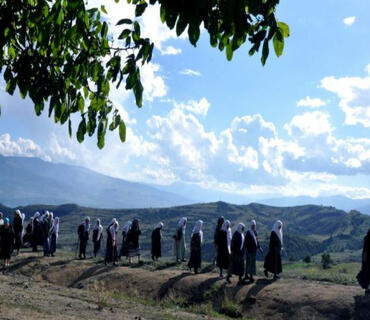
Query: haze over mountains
[(34, 181)]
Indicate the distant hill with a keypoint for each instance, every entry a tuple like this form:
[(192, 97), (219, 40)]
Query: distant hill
[(308, 230), (32, 180)]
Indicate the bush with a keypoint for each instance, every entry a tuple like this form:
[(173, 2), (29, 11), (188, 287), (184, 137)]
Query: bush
[(326, 261), (307, 259)]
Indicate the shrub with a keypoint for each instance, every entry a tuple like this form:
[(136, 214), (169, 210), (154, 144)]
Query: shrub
[(307, 259), (326, 261)]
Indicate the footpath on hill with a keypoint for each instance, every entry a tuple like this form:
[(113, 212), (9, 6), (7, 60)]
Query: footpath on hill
[(65, 288)]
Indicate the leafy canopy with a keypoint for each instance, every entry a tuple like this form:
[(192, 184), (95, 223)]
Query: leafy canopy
[(62, 55)]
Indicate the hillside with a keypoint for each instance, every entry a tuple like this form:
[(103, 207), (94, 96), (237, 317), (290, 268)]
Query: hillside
[(32, 180), (64, 288), (308, 230)]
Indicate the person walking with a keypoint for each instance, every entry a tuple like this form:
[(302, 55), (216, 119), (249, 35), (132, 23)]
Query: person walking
[(273, 258), (251, 246)]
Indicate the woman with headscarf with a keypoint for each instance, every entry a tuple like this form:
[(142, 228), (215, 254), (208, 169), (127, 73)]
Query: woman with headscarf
[(36, 238), (54, 234), (1, 219), (195, 260), (224, 247), (216, 236), (179, 237), (46, 225), (7, 242), (237, 254), (364, 275), (133, 240), (156, 242), (273, 258), (28, 233), (112, 243), (124, 247), (83, 232), (251, 246), (18, 229), (97, 236)]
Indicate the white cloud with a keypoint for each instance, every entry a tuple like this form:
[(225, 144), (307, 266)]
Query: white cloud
[(170, 50), (349, 20), (20, 147), (309, 124), (154, 86), (200, 107), (190, 72), (354, 97), (311, 102)]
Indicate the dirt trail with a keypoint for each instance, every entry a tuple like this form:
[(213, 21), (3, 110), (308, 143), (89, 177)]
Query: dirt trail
[(264, 299)]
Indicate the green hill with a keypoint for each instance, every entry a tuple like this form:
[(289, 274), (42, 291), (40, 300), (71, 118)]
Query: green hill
[(308, 230)]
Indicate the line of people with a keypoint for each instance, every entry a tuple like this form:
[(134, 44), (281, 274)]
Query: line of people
[(236, 253), (42, 230)]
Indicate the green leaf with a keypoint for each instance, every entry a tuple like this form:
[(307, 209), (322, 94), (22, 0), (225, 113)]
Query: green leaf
[(140, 8), (10, 86), (181, 25), (70, 128), (102, 8), (81, 131), (122, 131), (278, 42), (265, 52), (284, 29), (124, 21), (229, 52), (11, 52)]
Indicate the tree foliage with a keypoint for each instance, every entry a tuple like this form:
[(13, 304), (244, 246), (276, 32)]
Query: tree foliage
[(62, 55)]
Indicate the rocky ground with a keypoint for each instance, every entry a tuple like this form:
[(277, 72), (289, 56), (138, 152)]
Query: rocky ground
[(65, 288)]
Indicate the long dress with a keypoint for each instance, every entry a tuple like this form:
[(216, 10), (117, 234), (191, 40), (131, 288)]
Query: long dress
[(111, 248), (124, 247), (133, 242), (156, 243), (36, 238), (180, 245), (28, 234), (83, 235), (273, 257), (195, 260), (18, 229), (237, 255), (364, 275), (7, 242), (97, 238), (223, 255), (251, 247)]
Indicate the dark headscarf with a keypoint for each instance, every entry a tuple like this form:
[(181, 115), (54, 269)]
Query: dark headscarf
[(220, 222)]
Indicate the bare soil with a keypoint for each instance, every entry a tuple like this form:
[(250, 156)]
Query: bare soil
[(65, 288)]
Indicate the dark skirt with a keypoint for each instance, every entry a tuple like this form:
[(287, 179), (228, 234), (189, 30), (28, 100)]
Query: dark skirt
[(97, 245), (53, 243), (17, 240), (124, 248), (237, 264), (111, 253), (195, 260), (273, 262), (223, 257)]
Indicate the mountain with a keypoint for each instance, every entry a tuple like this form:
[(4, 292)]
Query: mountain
[(32, 180), (308, 230)]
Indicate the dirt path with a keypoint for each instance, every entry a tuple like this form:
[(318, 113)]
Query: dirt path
[(67, 289)]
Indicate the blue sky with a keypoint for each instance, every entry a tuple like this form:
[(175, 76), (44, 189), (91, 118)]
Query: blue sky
[(298, 126)]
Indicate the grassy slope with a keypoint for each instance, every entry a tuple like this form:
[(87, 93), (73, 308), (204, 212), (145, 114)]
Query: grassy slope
[(308, 230)]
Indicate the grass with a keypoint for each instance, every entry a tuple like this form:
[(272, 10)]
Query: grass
[(341, 273)]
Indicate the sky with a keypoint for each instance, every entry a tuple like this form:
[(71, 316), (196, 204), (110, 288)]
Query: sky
[(297, 126)]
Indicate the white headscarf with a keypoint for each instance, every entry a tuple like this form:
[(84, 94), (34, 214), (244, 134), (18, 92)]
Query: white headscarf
[(198, 229), (239, 229), (251, 232), (18, 213), (226, 226), (181, 223), (36, 215), (127, 226), (113, 229), (159, 225), (56, 226), (279, 232), (99, 227)]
